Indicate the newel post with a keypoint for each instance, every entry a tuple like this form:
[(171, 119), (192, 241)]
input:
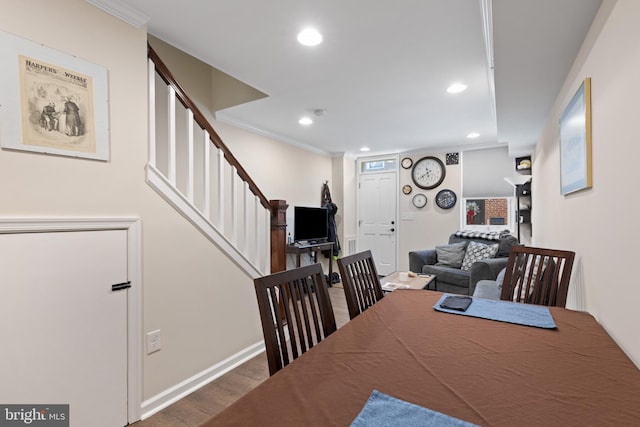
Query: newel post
[(278, 235)]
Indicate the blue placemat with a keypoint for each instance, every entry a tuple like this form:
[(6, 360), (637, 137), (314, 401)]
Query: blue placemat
[(505, 311), (382, 410)]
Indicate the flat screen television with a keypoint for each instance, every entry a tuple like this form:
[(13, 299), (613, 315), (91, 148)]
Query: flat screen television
[(310, 224)]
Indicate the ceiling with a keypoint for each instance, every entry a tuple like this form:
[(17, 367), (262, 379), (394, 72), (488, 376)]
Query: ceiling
[(382, 70)]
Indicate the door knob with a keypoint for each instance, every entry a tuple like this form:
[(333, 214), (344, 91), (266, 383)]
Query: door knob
[(392, 229)]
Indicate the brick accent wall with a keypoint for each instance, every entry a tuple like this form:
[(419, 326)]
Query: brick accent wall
[(497, 209)]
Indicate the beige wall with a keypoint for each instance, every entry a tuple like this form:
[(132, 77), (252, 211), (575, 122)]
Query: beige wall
[(346, 218), (600, 224), (282, 171), (204, 305), (211, 88), (430, 226)]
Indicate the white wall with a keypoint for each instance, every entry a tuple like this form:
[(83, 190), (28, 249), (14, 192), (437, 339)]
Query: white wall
[(600, 224), (204, 305)]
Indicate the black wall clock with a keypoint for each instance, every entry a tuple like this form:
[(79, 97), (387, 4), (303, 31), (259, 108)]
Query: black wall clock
[(446, 199), (406, 163), (428, 172)]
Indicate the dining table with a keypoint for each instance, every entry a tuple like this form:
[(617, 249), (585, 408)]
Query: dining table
[(476, 370)]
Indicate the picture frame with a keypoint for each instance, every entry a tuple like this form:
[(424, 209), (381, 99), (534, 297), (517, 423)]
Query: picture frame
[(575, 142), (491, 213), (52, 102)]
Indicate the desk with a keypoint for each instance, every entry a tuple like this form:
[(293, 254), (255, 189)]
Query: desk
[(299, 249), (485, 372)]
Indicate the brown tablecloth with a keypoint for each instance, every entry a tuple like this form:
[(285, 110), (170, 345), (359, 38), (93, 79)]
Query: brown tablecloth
[(482, 371)]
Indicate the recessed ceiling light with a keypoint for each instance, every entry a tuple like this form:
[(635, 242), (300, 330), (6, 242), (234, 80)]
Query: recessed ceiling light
[(457, 88), (473, 135), (365, 149), (305, 121), (309, 37)]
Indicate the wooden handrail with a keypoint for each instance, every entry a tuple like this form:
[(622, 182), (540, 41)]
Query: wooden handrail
[(204, 124)]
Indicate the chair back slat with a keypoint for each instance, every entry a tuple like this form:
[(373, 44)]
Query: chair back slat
[(537, 276), (360, 282), (295, 312)]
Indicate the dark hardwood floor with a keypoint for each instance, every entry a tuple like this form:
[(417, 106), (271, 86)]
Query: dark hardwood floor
[(199, 406)]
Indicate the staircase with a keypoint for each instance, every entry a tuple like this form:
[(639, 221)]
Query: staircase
[(193, 170)]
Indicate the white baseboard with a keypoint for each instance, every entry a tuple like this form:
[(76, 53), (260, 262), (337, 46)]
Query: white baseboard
[(188, 386)]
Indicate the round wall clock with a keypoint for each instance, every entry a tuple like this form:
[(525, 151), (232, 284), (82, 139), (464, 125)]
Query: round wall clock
[(446, 199), (406, 162), (406, 189), (428, 172), (419, 200)]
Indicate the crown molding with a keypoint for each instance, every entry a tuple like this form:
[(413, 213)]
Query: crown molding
[(122, 11), (225, 118)]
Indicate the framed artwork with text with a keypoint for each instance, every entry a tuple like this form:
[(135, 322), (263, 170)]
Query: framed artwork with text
[(52, 102)]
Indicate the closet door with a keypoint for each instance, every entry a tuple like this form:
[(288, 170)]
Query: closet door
[(62, 327)]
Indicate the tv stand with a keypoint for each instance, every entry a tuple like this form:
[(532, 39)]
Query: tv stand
[(299, 248)]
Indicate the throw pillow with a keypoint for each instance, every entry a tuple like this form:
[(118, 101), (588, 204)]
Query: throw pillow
[(506, 242), (534, 279), (451, 255), (477, 252), (500, 278)]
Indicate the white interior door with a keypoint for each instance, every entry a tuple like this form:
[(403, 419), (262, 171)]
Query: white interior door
[(377, 219), (63, 329)]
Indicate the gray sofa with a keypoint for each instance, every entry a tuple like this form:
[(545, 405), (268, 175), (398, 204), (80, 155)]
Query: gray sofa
[(489, 289), (450, 277)]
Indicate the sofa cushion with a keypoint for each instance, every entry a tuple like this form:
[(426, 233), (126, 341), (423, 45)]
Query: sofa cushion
[(487, 289), (476, 252), (500, 278), (451, 255), (453, 276)]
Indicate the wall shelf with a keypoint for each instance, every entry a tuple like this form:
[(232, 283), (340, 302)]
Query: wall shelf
[(521, 182), (520, 165)]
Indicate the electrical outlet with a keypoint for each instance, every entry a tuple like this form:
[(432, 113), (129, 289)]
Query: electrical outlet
[(154, 341)]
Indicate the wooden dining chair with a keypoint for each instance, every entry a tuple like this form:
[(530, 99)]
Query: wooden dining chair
[(537, 276), (295, 311), (360, 281)]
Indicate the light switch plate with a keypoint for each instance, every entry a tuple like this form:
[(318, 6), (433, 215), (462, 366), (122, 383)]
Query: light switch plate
[(154, 341)]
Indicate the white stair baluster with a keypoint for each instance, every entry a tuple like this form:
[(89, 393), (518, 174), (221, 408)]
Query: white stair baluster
[(207, 175), (171, 129), (190, 151), (152, 113)]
